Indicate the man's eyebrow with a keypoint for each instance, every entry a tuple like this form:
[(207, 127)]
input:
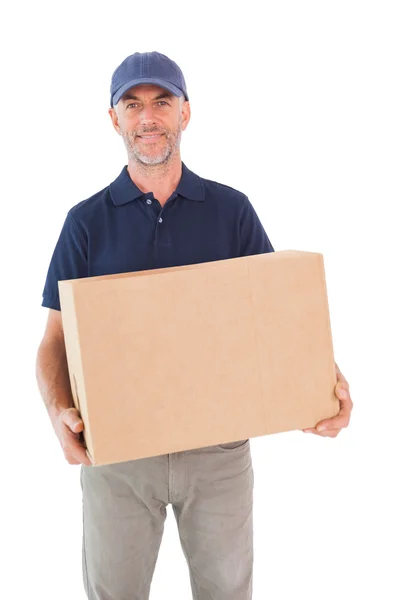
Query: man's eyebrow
[(130, 96)]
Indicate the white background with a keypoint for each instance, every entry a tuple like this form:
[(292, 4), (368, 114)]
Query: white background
[(297, 105)]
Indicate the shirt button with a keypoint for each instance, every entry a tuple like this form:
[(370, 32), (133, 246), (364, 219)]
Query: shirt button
[(160, 220), (148, 201)]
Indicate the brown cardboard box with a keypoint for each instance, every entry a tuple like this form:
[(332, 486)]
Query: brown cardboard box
[(184, 357)]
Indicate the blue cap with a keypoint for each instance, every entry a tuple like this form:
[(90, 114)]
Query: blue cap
[(147, 67)]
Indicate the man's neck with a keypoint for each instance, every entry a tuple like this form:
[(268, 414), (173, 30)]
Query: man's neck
[(162, 180)]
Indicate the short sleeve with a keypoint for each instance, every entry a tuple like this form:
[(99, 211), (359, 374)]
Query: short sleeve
[(69, 261), (253, 238)]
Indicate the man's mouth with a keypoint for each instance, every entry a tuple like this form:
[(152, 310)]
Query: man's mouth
[(150, 136)]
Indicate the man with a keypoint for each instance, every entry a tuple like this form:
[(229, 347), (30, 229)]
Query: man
[(157, 213)]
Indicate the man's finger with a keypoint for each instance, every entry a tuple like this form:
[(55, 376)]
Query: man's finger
[(325, 433), (72, 419), (342, 391), (341, 381), (331, 433), (76, 449), (346, 403), (338, 422)]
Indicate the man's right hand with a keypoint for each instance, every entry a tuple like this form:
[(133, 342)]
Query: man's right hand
[(68, 427)]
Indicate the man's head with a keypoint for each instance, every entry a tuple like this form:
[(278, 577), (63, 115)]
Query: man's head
[(149, 96)]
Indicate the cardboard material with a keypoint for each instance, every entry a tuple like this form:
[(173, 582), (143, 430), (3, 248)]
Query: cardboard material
[(179, 358)]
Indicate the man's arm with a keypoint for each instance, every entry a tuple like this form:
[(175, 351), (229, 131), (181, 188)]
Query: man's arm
[(52, 368), (54, 385)]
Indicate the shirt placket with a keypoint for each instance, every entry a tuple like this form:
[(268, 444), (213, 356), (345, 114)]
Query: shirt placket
[(162, 243)]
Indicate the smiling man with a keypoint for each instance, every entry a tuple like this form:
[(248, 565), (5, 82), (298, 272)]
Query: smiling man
[(156, 213)]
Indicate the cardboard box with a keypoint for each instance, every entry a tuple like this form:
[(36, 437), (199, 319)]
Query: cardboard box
[(178, 358)]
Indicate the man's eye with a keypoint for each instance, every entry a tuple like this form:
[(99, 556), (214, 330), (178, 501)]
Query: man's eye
[(135, 104)]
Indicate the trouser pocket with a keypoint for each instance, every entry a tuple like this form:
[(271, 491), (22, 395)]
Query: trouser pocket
[(232, 445)]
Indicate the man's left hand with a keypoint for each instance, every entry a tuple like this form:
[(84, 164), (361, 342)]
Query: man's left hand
[(332, 427)]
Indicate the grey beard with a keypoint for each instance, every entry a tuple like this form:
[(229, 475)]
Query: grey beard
[(170, 149)]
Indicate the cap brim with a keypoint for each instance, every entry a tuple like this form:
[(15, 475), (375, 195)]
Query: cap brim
[(154, 80)]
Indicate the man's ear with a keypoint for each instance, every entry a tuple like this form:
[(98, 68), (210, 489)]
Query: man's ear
[(114, 118), (185, 110)]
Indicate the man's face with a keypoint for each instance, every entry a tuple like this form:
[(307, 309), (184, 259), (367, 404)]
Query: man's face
[(150, 120)]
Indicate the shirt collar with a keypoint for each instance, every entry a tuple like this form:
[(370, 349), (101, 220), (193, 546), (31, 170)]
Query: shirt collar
[(123, 189)]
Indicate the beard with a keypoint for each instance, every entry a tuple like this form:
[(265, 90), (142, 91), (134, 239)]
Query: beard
[(167, 149)]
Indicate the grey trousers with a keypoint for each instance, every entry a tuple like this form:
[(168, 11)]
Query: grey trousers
[(124, 510)]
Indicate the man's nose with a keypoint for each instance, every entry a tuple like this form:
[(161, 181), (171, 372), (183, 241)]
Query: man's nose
[(147, 113)]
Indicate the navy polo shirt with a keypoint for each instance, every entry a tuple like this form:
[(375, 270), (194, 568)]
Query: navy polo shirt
[(121, 229)]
